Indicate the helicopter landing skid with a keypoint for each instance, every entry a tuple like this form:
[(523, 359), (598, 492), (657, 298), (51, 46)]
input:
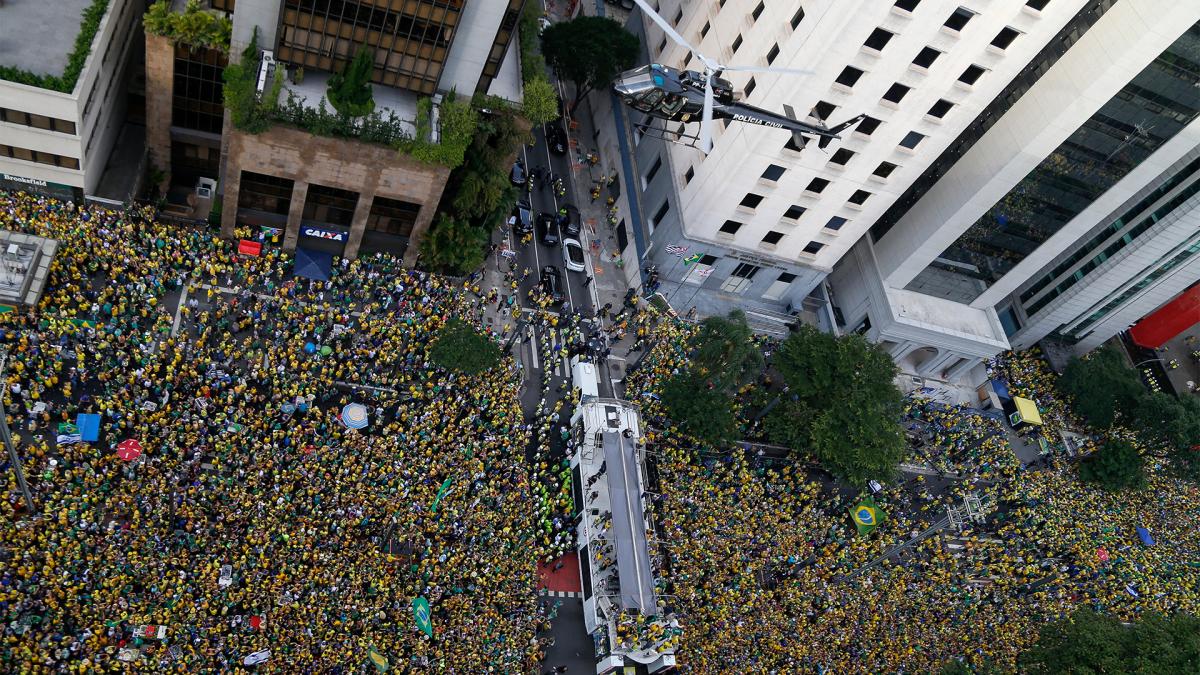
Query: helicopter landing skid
[(652, 131)]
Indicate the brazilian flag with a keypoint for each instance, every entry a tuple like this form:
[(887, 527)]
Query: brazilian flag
[(867, 515), (378, 660), (692, 259)]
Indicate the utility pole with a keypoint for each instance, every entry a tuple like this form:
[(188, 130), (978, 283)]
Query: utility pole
[(13, 459)]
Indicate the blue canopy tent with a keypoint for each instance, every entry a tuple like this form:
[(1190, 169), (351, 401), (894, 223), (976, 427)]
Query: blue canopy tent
[(312, 264)]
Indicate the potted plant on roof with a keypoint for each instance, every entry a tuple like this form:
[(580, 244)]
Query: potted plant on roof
[(350, 91)]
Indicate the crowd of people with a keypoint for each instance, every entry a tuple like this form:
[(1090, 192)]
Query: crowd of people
[(255, 520), (770, 575)]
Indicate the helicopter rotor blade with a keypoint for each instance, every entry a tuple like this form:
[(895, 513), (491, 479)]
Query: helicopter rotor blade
[(764, 69), (706, 120), (666, 27)]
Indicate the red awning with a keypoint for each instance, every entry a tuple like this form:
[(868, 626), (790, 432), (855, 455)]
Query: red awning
[(247, 247), (1170, 320)]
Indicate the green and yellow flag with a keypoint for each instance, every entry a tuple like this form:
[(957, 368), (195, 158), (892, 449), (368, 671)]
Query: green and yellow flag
[(378, 660), (691, 259), (867, 515)]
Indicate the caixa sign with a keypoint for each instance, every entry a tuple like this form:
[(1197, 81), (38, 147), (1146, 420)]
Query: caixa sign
[(319, 233)]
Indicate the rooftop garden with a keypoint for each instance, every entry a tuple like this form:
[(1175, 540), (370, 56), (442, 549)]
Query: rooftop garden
[(194, 26), (65, 83)]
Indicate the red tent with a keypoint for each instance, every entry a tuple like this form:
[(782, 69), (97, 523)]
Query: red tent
[(1170, 320)]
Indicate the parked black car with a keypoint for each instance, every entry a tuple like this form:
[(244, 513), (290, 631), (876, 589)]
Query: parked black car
[(556, 138), (521, 218), (547, 229), (569, 221), (552, 282)]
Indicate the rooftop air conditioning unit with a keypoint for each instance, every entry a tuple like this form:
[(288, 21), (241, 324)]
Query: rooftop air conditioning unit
[(265, 69)]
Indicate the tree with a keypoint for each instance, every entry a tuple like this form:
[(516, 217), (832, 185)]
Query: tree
[(1087, 642), (350, 92), (1115, 466), (540, 103), (703, 411), (589, 51), (724, 352), (460, 347), (1169, 420), (248, 111), (1101, 385), (844, 408), (454, 245)]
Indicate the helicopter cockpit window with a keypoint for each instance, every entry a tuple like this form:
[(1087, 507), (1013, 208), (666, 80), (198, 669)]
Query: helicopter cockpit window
[(648, 100), (671, 104)]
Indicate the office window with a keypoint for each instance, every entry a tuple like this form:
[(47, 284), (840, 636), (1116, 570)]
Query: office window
[(393, 216), (731, 227), (197, 100), (849, 76), (971, 75), (660, 214), (758, 11), (907, 5), (261, 192), (797, 18), (884, 169), (1039, 5), (649, 175), (958, 20), (813, 247), (912, 140), (794, 212), (772, 237), (835, 223), (687, 60), (841, 156), (773, 54), (780, 287), (793, 145), (704, 30), (691, 173), (331, 205), (1005, 37), (773, 172), (867, 126), (878, 39), (751, 200), (940, 108), (39, 156), (817, 185), (739, 281), (926, 57), (737, 43), (37, 121), (678, 16), (662, 46), (822, 110), (896, 93), (859, 197), (749, 87)]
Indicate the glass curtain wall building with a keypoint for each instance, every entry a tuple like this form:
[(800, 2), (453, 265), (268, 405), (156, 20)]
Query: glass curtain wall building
[(1146, 113)]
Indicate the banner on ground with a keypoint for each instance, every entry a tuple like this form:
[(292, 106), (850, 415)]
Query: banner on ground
[(68, 434), (696, 257), (867, 515)]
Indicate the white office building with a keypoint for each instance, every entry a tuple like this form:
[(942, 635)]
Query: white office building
[(59, 142), (1012, 148)]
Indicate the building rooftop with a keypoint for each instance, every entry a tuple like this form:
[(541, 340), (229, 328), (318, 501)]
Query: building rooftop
[(24, 267), (387, 99), (38, 35)]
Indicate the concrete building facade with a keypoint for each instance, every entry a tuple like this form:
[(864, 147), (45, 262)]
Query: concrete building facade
[(352, 196), (56, 142)]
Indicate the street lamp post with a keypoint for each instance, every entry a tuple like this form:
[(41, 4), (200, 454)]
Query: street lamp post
[(6, 435)]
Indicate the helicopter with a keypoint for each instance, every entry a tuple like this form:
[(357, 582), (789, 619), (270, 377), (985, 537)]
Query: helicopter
[(675, 95)]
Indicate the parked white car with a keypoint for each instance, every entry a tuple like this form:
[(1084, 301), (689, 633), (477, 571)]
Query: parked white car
[(572, 255)]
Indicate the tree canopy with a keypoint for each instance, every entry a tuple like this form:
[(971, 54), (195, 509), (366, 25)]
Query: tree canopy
[(350, 91), (460, 347), (703, 411), (1115, 466), (1100, 386), (724, 352), (1087, 643), (844, 407), (454, 245), (589, 51)]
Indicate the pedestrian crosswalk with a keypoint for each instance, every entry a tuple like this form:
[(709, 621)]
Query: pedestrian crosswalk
[(543, 349)]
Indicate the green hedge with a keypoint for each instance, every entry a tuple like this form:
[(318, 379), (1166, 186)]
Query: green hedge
[(65, 83), (195, 26)]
